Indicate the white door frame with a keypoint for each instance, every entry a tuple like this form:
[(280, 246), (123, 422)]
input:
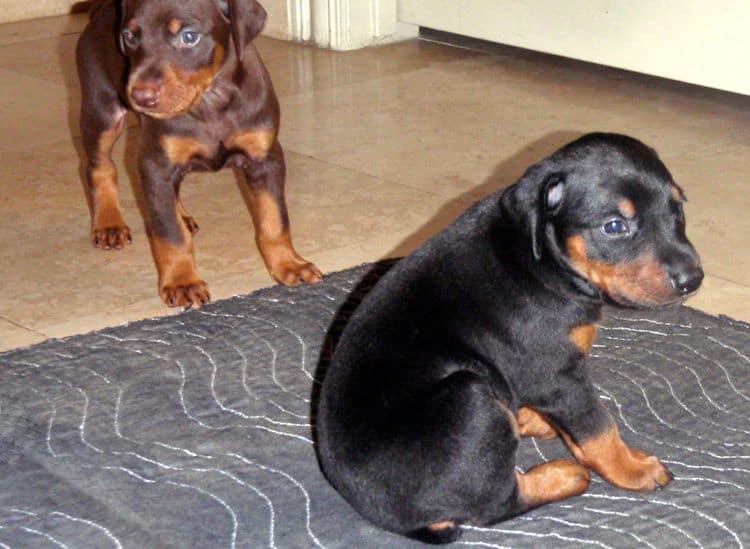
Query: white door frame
[(347, 24)]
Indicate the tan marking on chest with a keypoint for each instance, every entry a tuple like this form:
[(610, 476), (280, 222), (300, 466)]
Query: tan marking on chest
[(180, 150), (254, 143), (583, 337)]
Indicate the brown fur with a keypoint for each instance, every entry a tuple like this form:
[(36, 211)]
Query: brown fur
[(203, 105)]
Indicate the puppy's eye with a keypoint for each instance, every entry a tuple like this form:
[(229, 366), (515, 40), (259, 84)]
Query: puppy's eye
[(129, 39), (615, 227), (189, 38)]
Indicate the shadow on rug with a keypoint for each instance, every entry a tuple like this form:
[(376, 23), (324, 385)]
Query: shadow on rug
[(194, 431)]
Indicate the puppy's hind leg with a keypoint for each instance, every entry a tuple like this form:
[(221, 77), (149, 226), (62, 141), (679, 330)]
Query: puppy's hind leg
[(473, 439), (551, 481), (102, 121)]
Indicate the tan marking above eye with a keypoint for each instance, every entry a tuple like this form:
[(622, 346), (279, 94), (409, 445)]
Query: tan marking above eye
[(627, 208), (174, 25), (133, 26)]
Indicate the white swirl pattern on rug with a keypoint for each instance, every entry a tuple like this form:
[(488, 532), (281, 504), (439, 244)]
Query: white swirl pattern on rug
[(194, 431)]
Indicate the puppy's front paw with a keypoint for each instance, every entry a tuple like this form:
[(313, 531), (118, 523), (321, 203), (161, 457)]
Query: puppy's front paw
[(645, 473), (185, 294), (296, 271), (617, 463), (109, 237)]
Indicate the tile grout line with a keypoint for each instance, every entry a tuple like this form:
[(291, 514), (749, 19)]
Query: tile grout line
[(729, 280), (19, 325)]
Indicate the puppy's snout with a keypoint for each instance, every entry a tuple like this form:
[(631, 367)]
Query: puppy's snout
[(687, 280), (145, 95)]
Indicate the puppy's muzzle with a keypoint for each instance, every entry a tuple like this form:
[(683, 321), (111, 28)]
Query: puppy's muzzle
[(145, 95)]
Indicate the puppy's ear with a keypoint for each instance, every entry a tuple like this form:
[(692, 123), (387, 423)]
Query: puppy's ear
[(121, 14), (547, 205), (246, 19)]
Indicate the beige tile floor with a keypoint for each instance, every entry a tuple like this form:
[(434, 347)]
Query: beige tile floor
[(384, 146)]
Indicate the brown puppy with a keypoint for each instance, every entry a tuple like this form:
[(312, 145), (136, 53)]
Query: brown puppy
[(204, 101)]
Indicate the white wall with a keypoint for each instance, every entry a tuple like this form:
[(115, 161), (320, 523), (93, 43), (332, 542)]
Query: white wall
[(698, 41)]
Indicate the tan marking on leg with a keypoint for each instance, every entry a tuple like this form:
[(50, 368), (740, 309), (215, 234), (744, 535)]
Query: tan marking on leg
[(534, 424), (552, 481), (181, 150), (614, 461), (626, 208), (179, 283), (108, 227), (255, 143), (275, 243), (582, 337)]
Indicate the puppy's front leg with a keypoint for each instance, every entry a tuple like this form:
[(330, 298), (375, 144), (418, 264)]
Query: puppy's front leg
[(171, 239), (265, 178), (617, 463), (594, 439)]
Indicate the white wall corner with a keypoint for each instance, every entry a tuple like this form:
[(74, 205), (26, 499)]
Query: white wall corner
[(353, 24)]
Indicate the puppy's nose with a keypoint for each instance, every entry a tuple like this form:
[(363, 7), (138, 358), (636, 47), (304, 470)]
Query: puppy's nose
[(145, 95), (686, 281)]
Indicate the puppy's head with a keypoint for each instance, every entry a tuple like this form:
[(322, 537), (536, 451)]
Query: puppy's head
[(176, 49), (607, 209)]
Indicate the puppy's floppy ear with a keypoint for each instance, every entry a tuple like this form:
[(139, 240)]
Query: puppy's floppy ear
[(246, 19), (121, 14), (547, 204)]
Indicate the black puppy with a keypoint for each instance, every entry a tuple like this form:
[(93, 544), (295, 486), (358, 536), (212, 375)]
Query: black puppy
[(481, 336)]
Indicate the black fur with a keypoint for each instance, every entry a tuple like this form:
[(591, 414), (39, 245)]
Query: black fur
[(409, 426)]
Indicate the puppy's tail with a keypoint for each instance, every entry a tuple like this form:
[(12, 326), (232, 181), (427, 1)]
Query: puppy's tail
[(437, 536)]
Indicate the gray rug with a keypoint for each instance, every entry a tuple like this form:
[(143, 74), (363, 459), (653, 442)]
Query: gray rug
[(194, 431)]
